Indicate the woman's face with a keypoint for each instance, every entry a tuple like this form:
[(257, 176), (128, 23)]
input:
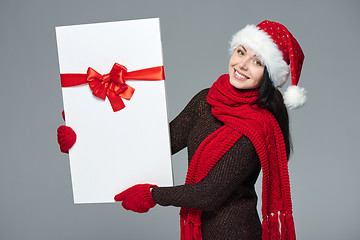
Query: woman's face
[(246, 70)]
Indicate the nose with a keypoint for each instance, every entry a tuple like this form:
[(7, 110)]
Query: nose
[(243, 63)]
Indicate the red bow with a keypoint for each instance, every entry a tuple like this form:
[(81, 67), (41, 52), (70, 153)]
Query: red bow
[(112, 85)]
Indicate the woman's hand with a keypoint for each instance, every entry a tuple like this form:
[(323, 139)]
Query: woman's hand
[(66, 137), (137, 198)]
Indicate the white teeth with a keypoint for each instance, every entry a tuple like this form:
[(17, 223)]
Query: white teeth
[(240, 75)]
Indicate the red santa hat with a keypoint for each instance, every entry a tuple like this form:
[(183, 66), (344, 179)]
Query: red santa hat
[(281, 53)]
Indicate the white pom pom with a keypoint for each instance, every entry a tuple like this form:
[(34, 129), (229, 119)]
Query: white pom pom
[(294, 97)]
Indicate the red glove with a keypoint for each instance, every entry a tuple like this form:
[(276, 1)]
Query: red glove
[(137, 198), (66, 137)]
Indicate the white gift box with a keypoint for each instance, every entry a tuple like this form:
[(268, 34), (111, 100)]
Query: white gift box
[(115, 150)]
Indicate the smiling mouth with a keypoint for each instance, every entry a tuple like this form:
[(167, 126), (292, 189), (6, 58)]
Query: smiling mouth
[(240, 76)]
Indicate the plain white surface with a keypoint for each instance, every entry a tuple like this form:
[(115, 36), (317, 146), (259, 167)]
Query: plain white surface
[(115, 150)]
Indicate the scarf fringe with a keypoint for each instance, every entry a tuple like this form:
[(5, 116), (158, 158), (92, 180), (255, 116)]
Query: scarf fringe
[(271, 227), (182, 229), (189, 231), (265, 229), (290, 227)]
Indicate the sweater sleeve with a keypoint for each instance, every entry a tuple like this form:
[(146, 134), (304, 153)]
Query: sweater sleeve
[(228, 175), (182, 124)]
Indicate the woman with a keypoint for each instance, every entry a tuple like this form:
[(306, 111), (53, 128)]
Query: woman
[(232, 130)]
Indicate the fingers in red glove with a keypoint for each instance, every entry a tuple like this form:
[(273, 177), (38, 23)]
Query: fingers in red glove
[(137, 198), (66, 138), (120, 196)]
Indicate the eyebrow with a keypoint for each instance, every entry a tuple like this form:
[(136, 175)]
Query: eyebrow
[(254, 54)]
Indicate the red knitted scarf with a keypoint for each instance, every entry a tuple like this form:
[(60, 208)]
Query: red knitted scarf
[(233, 107)]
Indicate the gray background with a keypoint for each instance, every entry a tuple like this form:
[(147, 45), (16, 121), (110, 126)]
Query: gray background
[(35, 187)]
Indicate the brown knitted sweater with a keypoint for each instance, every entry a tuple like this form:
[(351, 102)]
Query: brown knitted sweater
[(227, 195)]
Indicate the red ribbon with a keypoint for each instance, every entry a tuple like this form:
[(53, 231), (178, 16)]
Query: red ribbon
[(112, 85)]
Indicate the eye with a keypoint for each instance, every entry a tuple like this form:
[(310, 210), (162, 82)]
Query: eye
[(258, 62), (240, 52)]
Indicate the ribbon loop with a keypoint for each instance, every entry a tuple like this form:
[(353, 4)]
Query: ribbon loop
[(117, 74)]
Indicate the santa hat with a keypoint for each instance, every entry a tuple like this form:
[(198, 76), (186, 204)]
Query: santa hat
[(281, 53)]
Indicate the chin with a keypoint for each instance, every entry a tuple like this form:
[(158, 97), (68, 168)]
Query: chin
[(237, 84)]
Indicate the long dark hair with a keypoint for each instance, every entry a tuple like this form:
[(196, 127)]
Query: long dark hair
[(272, 100)]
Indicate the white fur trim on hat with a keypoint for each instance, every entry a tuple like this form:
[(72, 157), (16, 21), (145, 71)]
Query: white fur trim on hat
[(264, 48), (294, 97)]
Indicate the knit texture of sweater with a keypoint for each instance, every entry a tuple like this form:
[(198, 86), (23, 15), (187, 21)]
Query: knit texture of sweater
[(226, 195)]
